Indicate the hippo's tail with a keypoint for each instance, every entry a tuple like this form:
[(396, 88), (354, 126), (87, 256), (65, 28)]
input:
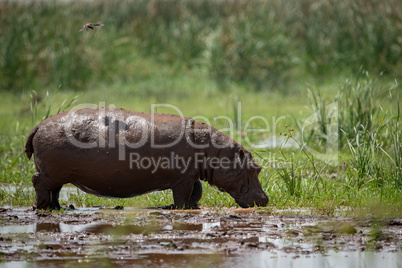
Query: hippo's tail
[(29, 146)]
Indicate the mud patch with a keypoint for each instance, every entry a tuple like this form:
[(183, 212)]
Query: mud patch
[(172, 238)]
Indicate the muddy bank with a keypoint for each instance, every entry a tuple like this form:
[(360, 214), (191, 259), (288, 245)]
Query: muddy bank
[(225, 237)]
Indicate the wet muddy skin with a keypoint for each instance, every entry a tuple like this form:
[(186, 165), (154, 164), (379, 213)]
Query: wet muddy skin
[(203, 237), (111, 152)]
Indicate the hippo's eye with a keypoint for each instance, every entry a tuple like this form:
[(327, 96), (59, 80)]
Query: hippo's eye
[(245, 187)]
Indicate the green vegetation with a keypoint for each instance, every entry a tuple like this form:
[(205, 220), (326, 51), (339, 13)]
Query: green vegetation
[(265, 45), (336, 63)]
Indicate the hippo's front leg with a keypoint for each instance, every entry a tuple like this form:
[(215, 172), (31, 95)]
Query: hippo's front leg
[(195, 195), (186, 195)]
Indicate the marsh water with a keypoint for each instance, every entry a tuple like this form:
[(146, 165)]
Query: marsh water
[(199, 238)]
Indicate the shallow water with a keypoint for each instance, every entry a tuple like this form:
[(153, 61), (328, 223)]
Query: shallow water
[(259, 259), (101, 228), (236, 238)]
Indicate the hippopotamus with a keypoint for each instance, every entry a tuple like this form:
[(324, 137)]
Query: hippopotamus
[(115, 153)]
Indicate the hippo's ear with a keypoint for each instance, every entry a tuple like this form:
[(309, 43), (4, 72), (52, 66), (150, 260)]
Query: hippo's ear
[(242, 154), (258, 167)]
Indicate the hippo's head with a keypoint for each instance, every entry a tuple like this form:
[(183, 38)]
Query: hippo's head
[(240, 179)]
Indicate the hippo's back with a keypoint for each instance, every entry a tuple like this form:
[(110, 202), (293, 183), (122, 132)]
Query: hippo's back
[(92, 147), (106, 128)]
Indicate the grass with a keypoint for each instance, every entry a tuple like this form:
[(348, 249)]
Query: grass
[(292, 177), (395, 130), (210, 59), (293, 182)]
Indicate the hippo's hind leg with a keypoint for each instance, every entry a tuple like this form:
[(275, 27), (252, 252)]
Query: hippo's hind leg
[(54, 203), (47, 195)]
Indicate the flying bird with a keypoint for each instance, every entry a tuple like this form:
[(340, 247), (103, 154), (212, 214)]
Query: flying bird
[(90, 26)]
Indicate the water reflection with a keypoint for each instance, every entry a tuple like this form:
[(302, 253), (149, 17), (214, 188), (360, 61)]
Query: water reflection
[(258, 259), (101, 228)]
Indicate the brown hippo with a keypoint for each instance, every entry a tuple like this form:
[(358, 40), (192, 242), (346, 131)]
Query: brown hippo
[(116, 153)]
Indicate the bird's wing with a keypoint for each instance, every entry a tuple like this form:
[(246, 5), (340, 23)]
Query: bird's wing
[(90, 26)]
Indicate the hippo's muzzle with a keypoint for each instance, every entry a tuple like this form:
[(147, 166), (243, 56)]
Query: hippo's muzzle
[(252, 199)]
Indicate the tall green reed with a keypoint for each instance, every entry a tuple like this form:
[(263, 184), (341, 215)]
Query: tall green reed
[(48, 102), (356, 107), (358, 103), (371, 136), (365, 149), (301, 176), (396, 133), (259, 43)]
